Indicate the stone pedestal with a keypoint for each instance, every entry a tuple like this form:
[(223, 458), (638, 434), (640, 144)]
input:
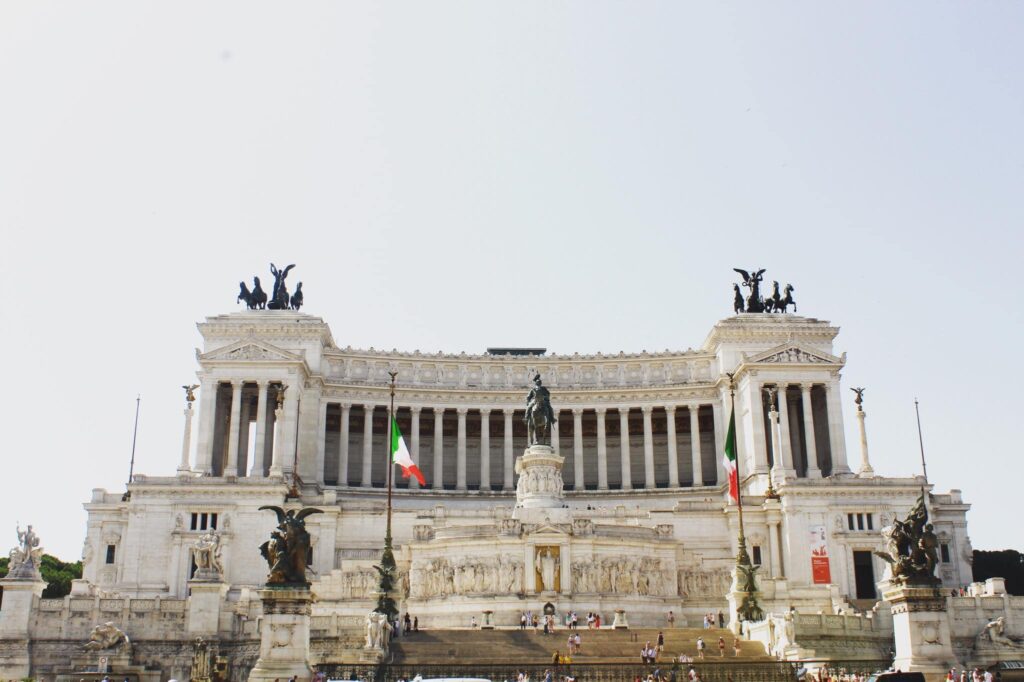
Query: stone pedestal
[(284, 636), (539, 495), (205, 597), (488, 621), (15, 617), (921, 630), (620, 622)]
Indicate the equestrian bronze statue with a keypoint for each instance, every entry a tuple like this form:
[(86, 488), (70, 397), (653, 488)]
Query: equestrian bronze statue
[(539, 414)]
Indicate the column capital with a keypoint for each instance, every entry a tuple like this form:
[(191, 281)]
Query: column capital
[(237, 384), (623, 410), (346, 406), (806, 387), (601, 410), (262, 383), (508, 411), (646, 409), (485, 411), (670, 409), (462, 411), (369, 407), (577, 411), (415, 409)]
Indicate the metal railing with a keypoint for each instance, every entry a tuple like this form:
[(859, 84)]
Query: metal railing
[(709, 671)]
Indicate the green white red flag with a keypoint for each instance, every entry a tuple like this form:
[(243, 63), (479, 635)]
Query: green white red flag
[(400, 455), (729, 458)]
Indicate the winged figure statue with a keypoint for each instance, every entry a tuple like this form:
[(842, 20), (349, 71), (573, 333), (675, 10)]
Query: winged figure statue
[(287, 550)]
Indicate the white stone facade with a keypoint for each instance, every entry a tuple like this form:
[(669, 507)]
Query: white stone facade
[(642, 524)]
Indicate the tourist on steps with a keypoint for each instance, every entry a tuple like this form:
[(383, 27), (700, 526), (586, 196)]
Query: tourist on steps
[(700, 648), (721, 647)]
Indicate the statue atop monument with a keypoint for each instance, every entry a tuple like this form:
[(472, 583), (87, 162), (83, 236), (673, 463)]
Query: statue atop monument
[(539, 415), (24, 559), (279, 300), (912, 548), (287, 550), (774, 303)]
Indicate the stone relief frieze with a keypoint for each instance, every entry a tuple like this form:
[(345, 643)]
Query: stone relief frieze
[(697, 584), (795, 355), (645, 576), (441, 577)]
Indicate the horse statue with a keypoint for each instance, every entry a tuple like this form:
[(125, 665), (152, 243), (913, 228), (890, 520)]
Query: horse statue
[(773, 303), (259, 297), (787, 300), (737, 299), (244, 295), (539, 416), (297, 297)]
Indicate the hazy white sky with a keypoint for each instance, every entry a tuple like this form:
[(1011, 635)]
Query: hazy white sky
[(581, 176)]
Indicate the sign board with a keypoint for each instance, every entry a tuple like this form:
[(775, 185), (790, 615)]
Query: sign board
[(819, 557)]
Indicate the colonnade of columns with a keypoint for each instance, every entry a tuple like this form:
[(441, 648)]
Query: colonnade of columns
[(227, 410), (797, 443), (656, 459)]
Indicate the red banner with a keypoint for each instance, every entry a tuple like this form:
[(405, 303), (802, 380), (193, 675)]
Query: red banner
[(819, 556)]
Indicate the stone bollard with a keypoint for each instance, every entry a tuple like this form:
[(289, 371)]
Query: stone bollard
[(620, 622), (487, 622)]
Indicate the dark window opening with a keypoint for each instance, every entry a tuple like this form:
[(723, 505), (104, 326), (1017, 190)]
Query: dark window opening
[(757, 555), (195, 521), (110, 553), (849, 521), (944, 550)]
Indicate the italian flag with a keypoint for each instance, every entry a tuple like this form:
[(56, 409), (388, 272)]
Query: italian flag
[(400, 455), (729, 459)]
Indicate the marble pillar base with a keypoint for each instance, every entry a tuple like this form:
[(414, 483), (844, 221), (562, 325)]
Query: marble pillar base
[(284, 636), (921, 630), (20, 598)]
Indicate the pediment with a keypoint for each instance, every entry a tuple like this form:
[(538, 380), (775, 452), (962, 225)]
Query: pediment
[(250, 350), (793, 354), (548, 528)]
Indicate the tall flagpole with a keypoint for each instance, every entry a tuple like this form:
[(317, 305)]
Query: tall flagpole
[(388, 567), (131, 465), (391, 463), (746, 580), (742, 557)]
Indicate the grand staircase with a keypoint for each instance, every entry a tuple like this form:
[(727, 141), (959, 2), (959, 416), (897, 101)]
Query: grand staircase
[(521, 647)]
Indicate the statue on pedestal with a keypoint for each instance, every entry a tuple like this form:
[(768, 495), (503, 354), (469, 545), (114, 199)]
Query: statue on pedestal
[(753, 282), (288, 548), (206, 552), (913, 548), (280, 300), (539, 414), (24, 559)]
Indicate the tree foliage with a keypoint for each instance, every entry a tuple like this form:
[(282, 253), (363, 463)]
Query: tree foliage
[(1007, 563), (57, 574)]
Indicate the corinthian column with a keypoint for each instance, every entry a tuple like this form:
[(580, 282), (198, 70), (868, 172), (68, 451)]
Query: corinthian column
[(673, 452), (260, 449), (231, 468), (485, 448), (277, 460), (698, 463), (648, 448), (577, 448), (866, 471), (602, 451), (786, 447), (813, 471), (343, 436), (438, 483), (460, 451), (414, 443), (627, 474), (367, 479), (507, 412)]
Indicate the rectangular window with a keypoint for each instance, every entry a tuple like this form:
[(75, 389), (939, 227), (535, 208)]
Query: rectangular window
[(195, 521), (871, 523), (860, 522), (757, 555), (110, 553), (213, 521), (849, 520), (203, 519), (944, 549)]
